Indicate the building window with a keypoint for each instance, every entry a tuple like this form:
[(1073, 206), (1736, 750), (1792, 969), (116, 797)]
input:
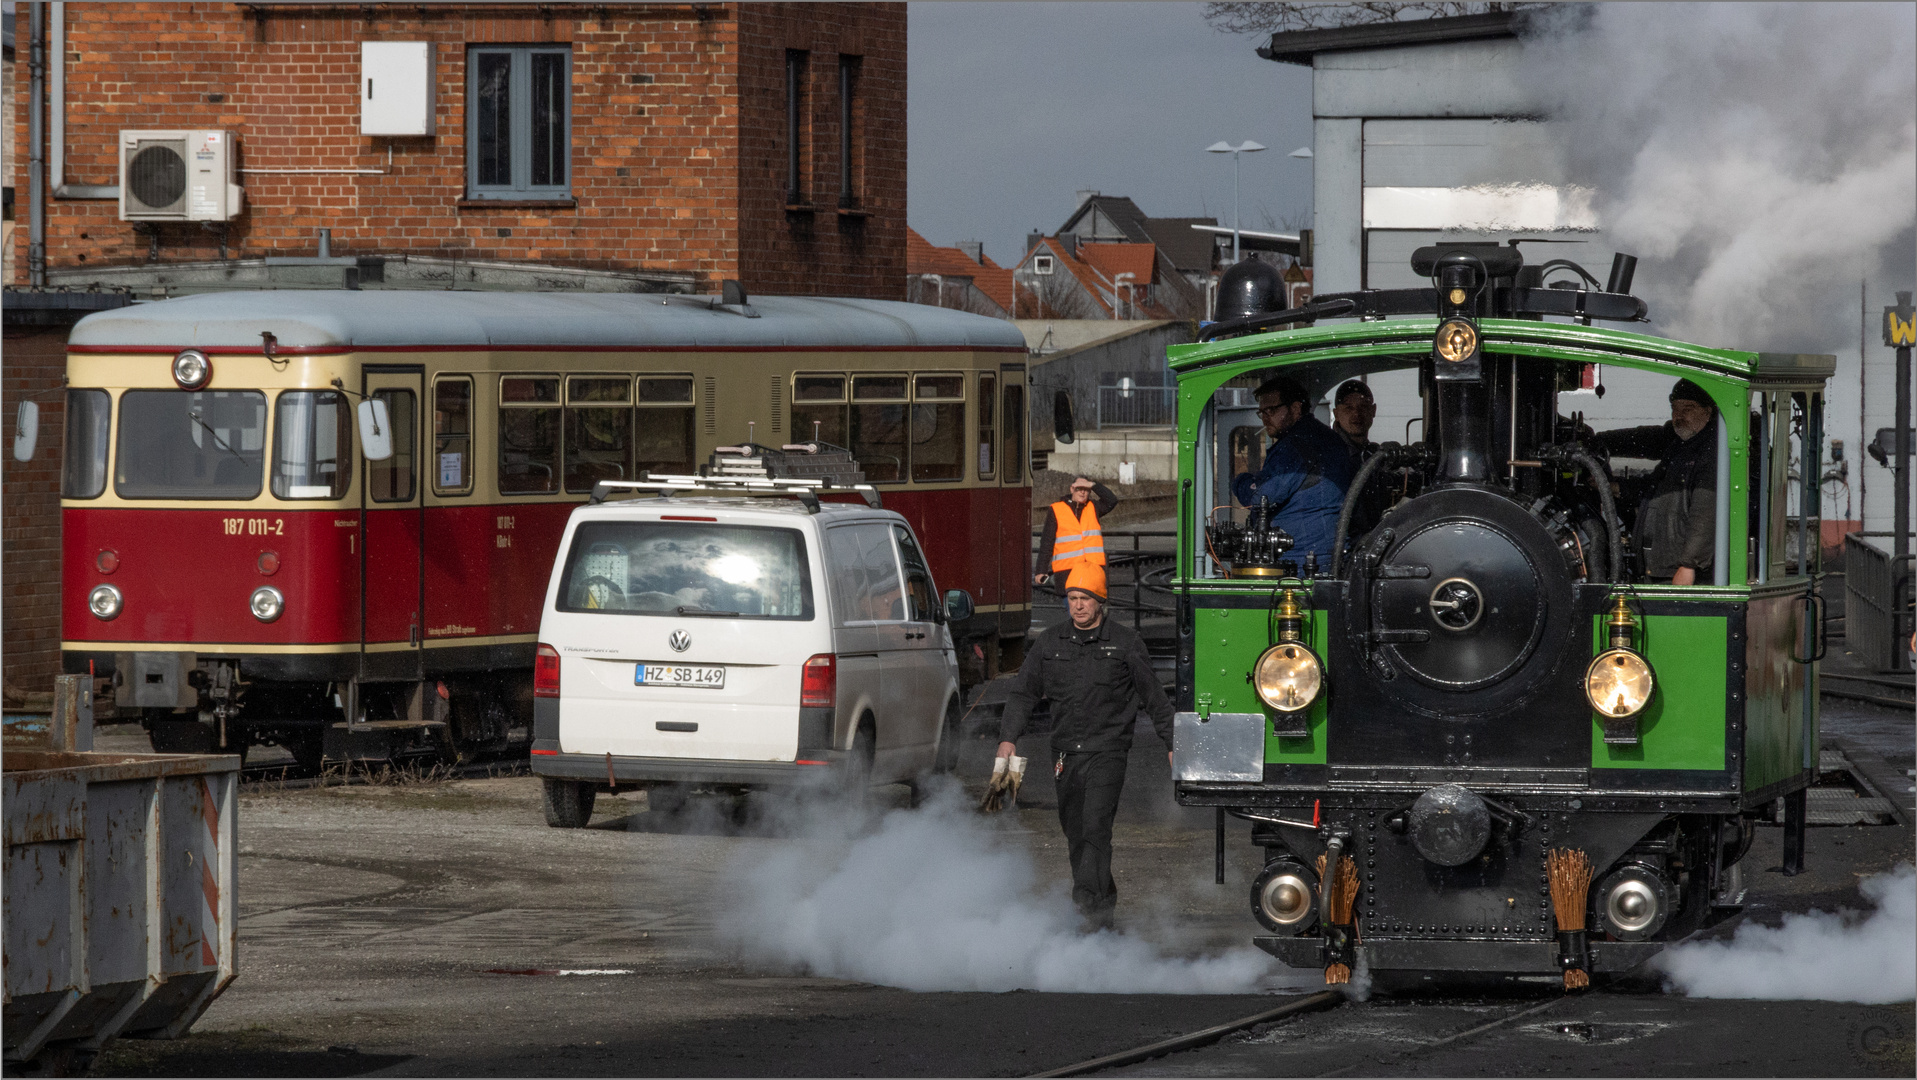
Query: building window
[(795, 127), (1041, 264), (519, 122), (848, 121)]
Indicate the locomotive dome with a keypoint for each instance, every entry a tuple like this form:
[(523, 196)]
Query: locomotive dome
[(307, 320)]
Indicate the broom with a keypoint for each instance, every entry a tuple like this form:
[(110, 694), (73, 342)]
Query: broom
[(1344, 898), (1570, 873)]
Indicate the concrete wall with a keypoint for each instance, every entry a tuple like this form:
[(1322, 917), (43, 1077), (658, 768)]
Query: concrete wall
[(1131, 348)]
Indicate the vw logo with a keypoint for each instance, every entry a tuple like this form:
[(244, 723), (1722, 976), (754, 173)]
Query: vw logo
[(1456, 604), (680, 641)]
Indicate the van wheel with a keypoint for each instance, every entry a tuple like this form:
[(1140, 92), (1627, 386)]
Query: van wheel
[(568, 803), (945, 762), (858, 763)]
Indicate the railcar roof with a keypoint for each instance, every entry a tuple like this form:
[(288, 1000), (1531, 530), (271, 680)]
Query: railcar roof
[(310, 320), (1375, 345)]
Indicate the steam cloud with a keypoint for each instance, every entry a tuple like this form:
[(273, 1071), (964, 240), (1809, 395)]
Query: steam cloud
[(1760, 158), (1818, 956), (933, 900)]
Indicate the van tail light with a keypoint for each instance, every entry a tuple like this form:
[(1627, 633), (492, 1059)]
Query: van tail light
[(819, 689), (546, 672)]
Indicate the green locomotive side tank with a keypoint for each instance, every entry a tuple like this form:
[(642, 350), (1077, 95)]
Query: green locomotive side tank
[(1528, 755)]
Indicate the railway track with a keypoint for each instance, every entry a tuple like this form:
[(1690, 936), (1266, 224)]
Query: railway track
[(263, 778)]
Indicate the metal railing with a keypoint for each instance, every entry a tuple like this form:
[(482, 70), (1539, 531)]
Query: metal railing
[(1877, 602), (1135, 406), (1131, 565)]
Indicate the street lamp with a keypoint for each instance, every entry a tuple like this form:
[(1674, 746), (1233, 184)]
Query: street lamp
[(1246, 147)]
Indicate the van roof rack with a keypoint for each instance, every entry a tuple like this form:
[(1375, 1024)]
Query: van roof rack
[(806, 490)]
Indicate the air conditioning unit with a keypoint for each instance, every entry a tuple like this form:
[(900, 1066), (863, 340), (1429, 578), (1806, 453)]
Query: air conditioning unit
[(178, 176)]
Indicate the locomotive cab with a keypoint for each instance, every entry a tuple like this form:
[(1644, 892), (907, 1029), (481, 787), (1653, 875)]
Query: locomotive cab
[(1507, 734)]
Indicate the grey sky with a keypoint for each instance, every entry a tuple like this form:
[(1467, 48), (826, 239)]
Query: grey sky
[(1015, 107)]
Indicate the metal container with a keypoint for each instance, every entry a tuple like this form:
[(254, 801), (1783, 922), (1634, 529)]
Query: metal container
[(119, 910)]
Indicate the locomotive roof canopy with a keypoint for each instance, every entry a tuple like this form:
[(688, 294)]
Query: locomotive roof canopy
[(1324, 355), (308, 320)]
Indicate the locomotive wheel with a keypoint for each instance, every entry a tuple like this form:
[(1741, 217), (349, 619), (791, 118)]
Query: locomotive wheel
[(568, 803)]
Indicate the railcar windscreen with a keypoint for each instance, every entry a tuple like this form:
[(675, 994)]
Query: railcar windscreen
[(678, 568), (311, 440), (89, 418), (176, 444)]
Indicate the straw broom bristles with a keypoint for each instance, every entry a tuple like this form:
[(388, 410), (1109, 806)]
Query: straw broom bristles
[(1344, 898), (1570, 872)]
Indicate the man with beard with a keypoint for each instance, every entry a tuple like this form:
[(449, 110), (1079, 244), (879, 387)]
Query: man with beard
[(1677, 519)]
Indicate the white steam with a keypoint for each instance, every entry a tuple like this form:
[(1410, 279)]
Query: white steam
[(934, 899), (1813, 957), (1756, 157)]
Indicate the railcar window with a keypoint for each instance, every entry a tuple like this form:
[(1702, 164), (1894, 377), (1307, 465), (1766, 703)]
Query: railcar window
[(1013, 420), (311, 439), (452, 436), (598, 430), (528, 435), (938, 428), (865, 578), (176, 444), (987, 438), (658, 567), (664, 443), (818, 408), (878, 426), (393, 480), (89, 419)]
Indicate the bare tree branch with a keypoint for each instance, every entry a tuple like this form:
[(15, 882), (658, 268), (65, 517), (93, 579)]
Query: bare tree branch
[(1272, 18)]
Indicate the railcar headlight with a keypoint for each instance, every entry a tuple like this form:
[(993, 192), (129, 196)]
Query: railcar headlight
[(1619, 683), (192, 370), (104, 601), (267, 603), (1457, 340), (1288, 677)]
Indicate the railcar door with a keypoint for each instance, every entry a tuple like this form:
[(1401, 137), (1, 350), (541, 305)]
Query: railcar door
[(392, 534), (1015, 506)]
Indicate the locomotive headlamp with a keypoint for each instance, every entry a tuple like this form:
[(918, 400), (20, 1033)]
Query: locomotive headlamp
[(1288, 677), (266, 603), (1456, 342), (192, 370), (104, 601), (1619, 682)]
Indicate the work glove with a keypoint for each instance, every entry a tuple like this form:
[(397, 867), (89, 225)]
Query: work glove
[(1007, 774)]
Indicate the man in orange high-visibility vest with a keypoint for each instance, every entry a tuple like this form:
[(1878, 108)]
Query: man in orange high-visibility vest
[(1071, 536)]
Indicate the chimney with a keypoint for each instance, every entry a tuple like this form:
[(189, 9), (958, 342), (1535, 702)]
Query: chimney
[(1031, 241), (1069, 241), (1086, 196), (973, 249)]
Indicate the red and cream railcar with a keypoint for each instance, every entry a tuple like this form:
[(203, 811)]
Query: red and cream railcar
[(245, 575)]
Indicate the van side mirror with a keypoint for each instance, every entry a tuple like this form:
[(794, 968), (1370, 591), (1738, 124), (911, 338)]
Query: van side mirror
[(958, 605), (1064, 421), (375, 430), (26, 431)]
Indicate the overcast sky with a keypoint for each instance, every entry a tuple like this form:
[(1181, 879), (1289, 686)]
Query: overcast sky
[(1015, 107)]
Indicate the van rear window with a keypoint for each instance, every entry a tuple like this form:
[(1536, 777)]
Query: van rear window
[(683, 568)]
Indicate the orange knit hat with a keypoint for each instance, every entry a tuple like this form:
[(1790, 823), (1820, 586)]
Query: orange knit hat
[(1086, 578)]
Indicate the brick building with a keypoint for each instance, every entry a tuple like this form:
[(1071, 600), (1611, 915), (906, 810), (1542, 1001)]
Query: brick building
[(600, 146)]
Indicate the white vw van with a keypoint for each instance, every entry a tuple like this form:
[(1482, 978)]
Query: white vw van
[(714, 640)]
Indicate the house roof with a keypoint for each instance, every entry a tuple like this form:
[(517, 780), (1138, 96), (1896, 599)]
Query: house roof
[(988, 277), (1112, 260), (1187, 248), (1299, 46), (1096, 264), (1117, 209)]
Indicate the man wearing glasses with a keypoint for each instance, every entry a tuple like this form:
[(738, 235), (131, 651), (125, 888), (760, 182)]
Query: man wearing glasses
[(1306, 473), (1072, 536)]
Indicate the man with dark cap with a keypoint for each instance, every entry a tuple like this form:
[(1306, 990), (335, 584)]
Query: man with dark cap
[(1677, 519), (1096, 673), (1352, 412), (1306, 472)]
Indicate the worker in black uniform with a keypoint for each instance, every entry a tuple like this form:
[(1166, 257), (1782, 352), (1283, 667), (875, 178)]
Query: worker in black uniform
[(1096, 673)]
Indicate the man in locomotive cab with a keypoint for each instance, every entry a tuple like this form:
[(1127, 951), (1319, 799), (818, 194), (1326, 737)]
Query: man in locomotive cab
[(1096, 673), (1071, 535), (1677, 519), (1306, 472), (1352, 411)]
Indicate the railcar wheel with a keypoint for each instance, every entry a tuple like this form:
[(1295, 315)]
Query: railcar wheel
[(181, 737), (568, 803)]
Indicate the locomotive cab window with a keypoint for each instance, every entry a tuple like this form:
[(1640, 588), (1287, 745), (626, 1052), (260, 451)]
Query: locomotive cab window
[(528, 435), (179, 444), (452, 436)]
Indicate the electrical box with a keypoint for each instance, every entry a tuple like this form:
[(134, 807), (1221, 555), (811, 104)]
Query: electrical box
[(396, 88), (179, 176)]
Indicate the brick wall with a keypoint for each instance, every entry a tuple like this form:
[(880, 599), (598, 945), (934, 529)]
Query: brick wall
[(678, 136), (30, 517)]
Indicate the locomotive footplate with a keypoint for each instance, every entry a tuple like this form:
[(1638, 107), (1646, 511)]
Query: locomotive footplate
[(1486, 955)]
